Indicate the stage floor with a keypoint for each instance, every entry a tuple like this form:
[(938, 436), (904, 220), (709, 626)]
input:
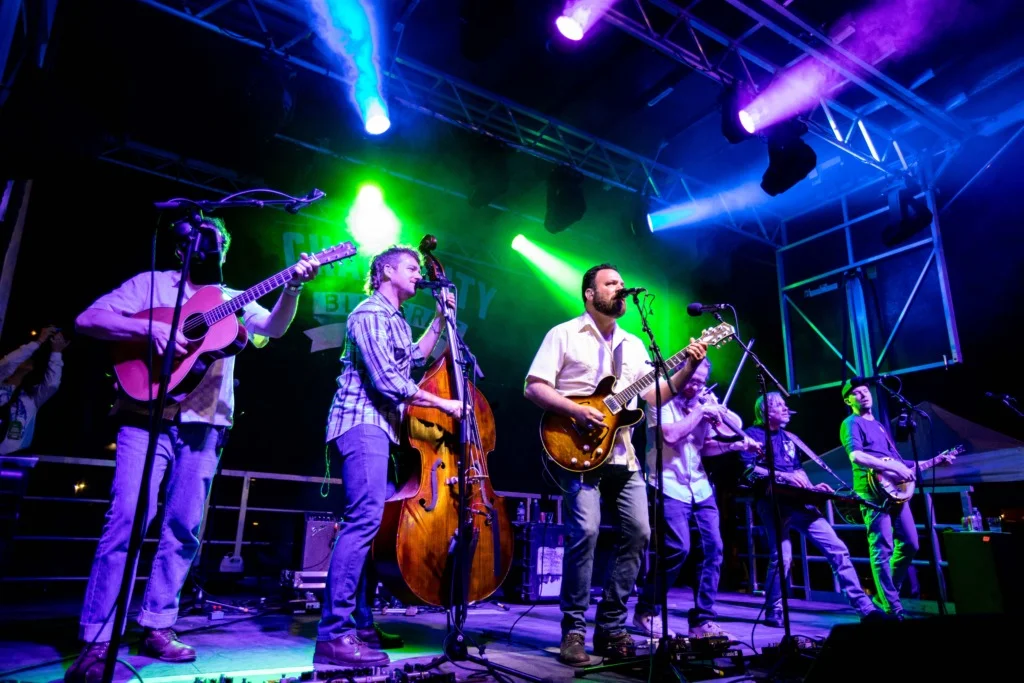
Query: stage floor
[(37, 641)]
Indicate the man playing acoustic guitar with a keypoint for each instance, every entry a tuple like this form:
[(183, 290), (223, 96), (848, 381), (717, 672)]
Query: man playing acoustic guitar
[(867, 442), (187, 451), (573, 358)]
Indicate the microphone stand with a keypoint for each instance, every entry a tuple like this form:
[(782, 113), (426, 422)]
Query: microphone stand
[(906, 421), (194, 222), (787, 647), (662, 666), (155, 418), (455, 646)]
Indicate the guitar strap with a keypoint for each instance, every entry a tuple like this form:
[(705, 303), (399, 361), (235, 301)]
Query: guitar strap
[(617, 363), (809, 453)]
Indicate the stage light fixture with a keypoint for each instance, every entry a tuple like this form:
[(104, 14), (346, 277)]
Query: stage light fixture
[(908, 214), (790, 159), (569, 27), (737, 123), (565, 202), (377, 120)]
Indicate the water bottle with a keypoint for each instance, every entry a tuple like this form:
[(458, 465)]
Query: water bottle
[(521, 512)]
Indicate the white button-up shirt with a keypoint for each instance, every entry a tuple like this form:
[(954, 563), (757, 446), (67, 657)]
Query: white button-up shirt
[(574, 358), (685, 478)]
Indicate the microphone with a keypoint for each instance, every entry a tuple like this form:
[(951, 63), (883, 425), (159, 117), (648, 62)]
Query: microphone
[(875, 379), (432, 284), (629, 291), (1000, 397), (311, 196), (695, 309), (171, 204)]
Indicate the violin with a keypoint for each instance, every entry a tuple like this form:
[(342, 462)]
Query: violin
[(727, 425)]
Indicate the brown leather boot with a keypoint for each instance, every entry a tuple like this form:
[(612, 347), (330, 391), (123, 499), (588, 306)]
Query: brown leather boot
[(572, 650), (88, 668), (347, 650), (380, 640), (163, 644)]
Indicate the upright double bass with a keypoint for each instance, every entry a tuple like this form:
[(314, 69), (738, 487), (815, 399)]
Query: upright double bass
[(415, 550)]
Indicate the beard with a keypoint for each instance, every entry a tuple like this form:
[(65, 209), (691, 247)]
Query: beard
[(613, 307)]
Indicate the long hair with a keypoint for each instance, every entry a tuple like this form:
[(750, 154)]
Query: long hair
[(388, 257)]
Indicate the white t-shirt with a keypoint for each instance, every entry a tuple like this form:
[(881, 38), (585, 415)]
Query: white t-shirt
[(685, 478), (574, 358), (213, 401)]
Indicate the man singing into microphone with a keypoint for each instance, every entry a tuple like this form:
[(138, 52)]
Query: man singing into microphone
[(867, 442), (573, 358), (363, 424)]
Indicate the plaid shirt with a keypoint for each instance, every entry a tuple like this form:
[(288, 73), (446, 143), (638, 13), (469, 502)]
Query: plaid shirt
[(376, 367)]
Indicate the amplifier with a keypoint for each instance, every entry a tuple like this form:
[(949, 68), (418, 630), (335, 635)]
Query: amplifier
[(318, 542), (536, 572)]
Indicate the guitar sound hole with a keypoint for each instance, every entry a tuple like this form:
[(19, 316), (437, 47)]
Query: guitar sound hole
[(194, 328)]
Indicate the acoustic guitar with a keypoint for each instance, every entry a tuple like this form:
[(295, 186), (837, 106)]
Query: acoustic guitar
[(887, 487), (212, 327), (574, 447)]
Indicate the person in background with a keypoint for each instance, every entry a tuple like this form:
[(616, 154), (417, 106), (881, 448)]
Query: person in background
[(30, 377)]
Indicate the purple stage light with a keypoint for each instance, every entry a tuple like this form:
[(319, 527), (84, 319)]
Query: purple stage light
[(747, 121), (569, 27)]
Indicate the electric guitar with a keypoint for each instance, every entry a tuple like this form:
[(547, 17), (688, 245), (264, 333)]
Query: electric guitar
[(574, 447), (212, 327), (886, 486)]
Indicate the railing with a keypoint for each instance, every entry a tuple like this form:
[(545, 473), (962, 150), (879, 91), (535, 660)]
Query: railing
[(805, 559), (243, 508)]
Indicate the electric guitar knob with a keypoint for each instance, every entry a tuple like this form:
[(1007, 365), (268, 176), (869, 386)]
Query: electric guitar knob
[(599, 452), (586, 448), (586, 463), (573, 461)]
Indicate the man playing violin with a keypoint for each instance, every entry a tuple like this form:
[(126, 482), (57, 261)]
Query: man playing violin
[(363, 424), (805, 518), (573, 358), (690, 423)]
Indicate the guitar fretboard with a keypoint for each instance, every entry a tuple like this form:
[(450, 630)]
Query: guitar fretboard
[(641, 385), (235, 304)]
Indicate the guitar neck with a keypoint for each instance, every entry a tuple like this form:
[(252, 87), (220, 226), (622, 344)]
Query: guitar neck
[(641, 385), (235, 304)]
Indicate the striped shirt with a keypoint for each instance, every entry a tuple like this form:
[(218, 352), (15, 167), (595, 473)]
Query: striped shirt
[(376, 369)]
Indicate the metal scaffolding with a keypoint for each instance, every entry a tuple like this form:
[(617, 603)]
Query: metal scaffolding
[(282, 30), (687, 40)]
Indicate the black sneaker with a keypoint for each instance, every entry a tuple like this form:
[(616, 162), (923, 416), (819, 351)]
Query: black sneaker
[(773, 619), (88, 668), (572, 651)]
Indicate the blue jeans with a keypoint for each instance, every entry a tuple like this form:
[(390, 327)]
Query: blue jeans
[(676, 530), (890, 566), (821, 534), (186, 459), (626, 492), (364, 451)]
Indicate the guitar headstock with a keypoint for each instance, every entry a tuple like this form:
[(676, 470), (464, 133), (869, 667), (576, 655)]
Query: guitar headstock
[(717, 335), (336, 253)]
